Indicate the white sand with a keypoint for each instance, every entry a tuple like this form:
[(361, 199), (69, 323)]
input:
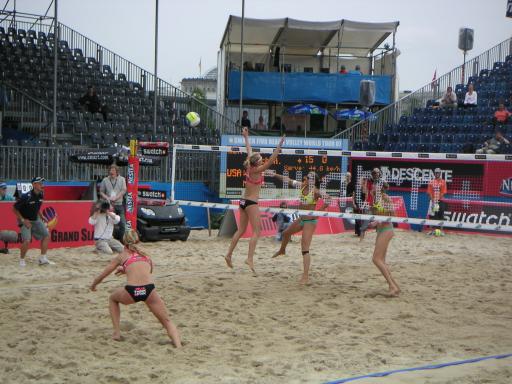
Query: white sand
[(456, 304)]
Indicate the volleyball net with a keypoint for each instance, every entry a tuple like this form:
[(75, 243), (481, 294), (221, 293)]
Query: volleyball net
[(471, 192)]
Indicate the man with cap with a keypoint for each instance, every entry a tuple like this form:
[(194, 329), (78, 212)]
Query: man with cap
[(3, 193), (27, 210), (436, 190)]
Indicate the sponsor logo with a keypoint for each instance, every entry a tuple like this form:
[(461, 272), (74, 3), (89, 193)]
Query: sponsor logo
[(478, 217), (131, 174), (139, 291), (152, 194), (154, 151), (506, 187), (50, 217), (397, 175), (129, 202)]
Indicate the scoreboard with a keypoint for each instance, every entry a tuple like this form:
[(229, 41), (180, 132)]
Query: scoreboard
[(294, 165)]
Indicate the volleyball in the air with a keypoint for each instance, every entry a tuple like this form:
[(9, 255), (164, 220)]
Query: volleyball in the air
[(50, 217), (378, 207), (438, 232), (193, 119)]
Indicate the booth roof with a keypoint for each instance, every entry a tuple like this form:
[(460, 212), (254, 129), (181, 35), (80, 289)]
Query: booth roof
[(305, 37)]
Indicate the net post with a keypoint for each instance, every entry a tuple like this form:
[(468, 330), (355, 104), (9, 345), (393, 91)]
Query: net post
[(173, 172)]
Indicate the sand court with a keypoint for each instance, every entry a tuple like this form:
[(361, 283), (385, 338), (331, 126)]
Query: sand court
[(456, 304)]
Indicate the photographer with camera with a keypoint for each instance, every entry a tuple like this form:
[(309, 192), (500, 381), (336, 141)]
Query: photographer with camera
[(103, 218)]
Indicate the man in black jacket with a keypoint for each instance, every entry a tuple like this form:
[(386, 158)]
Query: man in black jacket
[(27, 210)]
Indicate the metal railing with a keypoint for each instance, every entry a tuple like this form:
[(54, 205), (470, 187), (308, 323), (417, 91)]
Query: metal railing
[(169, 96), (22, 111), (433, 90), (52, 163)]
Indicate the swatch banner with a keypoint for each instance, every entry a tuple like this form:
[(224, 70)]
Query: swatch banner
[(325, 226), (67, 223), (132, 186)]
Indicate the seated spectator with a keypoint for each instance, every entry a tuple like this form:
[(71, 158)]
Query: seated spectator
[(343, 70), (282, 220), (357, 70), (103, 218), (449, 99), (3, 193), (502, 115), (470, 100), (260, 126), (494, 145), (91, 102)]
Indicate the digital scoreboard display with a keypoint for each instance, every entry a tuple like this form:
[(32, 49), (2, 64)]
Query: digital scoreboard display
[(297, 167)]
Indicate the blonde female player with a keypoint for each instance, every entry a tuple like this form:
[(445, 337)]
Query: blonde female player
[(383, 206), (249, 211), (309, 194), (138, 268)]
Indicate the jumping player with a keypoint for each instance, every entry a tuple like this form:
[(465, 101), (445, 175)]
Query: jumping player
[(249, 211), (309, 194), (138, 268)]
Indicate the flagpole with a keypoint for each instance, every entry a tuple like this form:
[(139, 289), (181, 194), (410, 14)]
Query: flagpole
[(241, 64)]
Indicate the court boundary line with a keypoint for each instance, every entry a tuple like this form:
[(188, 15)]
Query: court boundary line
[(421, 368)]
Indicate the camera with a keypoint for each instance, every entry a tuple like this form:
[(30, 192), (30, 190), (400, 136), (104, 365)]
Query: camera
[(103, 206)]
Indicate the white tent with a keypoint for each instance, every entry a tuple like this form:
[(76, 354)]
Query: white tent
[(303, 46), (305, 37)]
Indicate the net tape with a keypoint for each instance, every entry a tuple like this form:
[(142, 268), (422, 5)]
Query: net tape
[(357, 216)]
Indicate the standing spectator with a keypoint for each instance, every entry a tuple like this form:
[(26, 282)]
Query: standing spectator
[(357, 197), (343, 70), (283, 221), (104, 220), (492, 146), (436, 190), (261, 126), (245, 120), (26, 210), (501, 115), (3, 193), (471, 99), (91, 102), (357, 70), (113, 189), (449, 99)]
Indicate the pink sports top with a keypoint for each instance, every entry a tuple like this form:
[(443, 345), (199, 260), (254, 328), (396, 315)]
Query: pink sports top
[(135, 257), (248, 179)]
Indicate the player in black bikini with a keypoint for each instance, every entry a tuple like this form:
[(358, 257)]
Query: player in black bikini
[(249, 211)]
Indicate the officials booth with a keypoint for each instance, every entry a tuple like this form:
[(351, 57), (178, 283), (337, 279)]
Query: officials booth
[(288, 61)]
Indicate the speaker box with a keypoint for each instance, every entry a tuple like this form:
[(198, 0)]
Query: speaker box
[(367, 93), (466, 39)]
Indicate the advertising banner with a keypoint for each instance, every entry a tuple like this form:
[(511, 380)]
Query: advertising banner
[(67, 223), (132, 184)]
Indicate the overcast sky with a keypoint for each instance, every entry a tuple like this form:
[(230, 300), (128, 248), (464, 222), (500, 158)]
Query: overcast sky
[(190, 30)]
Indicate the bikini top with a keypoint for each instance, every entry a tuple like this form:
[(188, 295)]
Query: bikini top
[(135, 257), (248, 179), (308, 199)]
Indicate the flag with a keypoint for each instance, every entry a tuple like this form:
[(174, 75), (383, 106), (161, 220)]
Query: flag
[(433, 84), (200, 66)]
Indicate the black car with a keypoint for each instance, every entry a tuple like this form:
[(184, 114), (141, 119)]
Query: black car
[(160, 222)]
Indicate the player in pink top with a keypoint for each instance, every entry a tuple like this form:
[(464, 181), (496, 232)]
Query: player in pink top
[(138, 268), (249, 211)]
